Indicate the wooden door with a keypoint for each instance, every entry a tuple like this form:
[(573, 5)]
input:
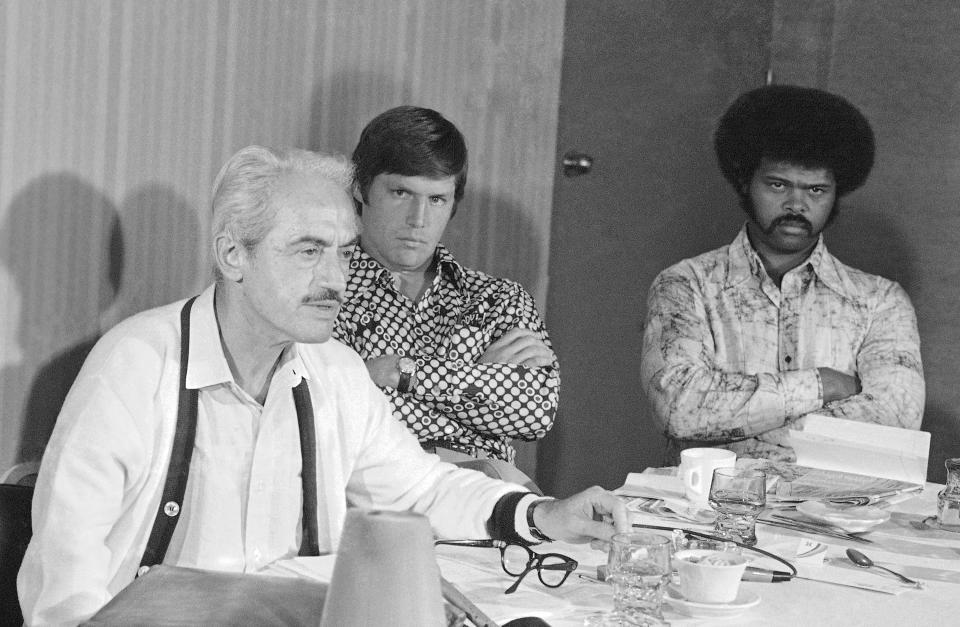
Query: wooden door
[(641, 85)]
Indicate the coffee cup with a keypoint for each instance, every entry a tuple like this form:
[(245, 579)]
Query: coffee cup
[(709, 576), (696, 470)]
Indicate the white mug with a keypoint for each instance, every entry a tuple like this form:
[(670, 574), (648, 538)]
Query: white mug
[(696, 470)]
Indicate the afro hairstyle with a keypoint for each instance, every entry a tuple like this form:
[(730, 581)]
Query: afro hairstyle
[(798, 125)]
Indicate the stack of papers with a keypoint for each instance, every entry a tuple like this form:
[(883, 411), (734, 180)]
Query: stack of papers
[(844, 461), (862, 448)]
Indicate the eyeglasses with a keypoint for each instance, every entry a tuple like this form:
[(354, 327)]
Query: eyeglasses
[(518, 560)]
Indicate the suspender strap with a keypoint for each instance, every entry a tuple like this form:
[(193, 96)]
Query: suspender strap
[(308, 454), (171, 504), (176, 484)]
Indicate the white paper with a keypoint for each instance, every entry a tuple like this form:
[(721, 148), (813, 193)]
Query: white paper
[(862, 448), (317, 568)]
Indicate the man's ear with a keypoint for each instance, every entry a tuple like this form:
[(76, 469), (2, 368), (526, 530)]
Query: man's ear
[(231, 257), (357, 198)]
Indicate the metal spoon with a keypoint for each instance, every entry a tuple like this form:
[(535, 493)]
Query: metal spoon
[(863, 561)]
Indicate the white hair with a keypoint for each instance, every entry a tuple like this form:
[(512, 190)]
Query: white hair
[(242, 190)]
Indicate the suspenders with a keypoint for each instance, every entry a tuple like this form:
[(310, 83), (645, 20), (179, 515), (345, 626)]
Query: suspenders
[(175, 486)]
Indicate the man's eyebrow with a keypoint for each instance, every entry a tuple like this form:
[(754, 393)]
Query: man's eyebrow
[(352, 242), (783, 179), (309, 239)]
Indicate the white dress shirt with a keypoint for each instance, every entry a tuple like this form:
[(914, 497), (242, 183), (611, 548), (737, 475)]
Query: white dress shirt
[(103, 473)]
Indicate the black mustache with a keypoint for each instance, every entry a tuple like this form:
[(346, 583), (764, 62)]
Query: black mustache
[(324, 295), (793, 219)]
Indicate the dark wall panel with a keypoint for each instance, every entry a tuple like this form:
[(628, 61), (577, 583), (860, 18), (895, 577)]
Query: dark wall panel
[(641, 85)]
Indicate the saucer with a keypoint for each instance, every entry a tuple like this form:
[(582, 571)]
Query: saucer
[(744, 601), (850, 518)]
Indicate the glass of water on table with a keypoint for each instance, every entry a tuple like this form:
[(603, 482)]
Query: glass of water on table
[(638, 568), (738, 496)]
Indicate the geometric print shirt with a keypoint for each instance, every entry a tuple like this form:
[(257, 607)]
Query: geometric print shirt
[(457, 401), (729, 359)]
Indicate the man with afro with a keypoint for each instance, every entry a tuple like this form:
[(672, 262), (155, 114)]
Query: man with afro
[(742, 342)]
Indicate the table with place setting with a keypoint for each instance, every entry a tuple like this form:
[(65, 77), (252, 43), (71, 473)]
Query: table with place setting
[(829, 589), (561, 582)]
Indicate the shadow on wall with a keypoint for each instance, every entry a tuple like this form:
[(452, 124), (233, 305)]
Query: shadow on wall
[(161, 236), (335, 108), (65, 259), (148, 259)]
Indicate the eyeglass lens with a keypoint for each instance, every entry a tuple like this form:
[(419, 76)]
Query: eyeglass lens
[(552, 568)]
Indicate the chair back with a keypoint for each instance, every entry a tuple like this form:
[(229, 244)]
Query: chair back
[(15, 532)]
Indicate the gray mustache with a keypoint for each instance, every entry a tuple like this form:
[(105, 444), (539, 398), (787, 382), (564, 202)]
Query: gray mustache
[(326, 294)]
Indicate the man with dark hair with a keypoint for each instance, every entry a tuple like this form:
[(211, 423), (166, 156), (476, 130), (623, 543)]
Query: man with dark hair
[(464, 357), (279, 428), (741, 342)]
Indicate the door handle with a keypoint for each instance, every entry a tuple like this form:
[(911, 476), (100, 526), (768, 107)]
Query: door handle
[(576, 163)]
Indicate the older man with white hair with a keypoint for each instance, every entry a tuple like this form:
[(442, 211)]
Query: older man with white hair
[(240, 390)]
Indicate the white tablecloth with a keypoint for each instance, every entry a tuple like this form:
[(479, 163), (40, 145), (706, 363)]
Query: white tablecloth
[(931, 556)]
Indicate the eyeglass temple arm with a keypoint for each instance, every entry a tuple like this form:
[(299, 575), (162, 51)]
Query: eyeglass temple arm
[(516, 584), (485, 543)]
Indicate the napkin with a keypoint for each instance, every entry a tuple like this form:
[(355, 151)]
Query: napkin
[(662, 495)]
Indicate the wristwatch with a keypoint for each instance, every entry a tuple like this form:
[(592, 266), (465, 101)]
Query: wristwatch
[(407, 368), (538, 535)]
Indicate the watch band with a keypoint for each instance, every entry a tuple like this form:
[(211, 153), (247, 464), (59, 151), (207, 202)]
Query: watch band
[(407, 368), (534, 530)]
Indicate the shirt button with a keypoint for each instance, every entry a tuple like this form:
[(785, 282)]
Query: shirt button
[(788, 359)]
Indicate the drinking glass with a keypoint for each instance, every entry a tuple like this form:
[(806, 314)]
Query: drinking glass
[(738, 496), (638, 567), (948, 499)]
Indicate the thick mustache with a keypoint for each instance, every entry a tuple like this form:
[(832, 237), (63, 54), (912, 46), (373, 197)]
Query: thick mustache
[(794, 219), (324, 295)]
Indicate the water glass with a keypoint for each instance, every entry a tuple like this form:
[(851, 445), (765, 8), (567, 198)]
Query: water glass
[(948, 499), (738, 496), (638, 567)]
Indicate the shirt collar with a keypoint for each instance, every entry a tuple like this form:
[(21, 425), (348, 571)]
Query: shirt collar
[(207, 365), (366, 272), (745, 263)]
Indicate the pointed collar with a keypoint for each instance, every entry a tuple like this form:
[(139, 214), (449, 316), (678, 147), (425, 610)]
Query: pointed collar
[(366, 272), (744, 263), (207, 365)]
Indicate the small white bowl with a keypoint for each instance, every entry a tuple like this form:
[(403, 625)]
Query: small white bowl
[(709, 576)]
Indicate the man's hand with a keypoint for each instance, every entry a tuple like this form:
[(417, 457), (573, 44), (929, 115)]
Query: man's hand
[(837, 385), (520, 347), (593, 513), (383, 370)]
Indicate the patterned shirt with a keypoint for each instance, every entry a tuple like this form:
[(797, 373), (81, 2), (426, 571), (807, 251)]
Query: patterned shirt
[(731, 359), (456, 399)]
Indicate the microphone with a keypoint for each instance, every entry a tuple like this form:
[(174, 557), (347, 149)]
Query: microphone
[(753, 573)]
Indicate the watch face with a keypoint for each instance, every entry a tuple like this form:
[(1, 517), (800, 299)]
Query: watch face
[(406, 365)]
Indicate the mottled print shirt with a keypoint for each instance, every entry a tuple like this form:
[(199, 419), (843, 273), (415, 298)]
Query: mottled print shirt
[(456, 399), (729, 359)]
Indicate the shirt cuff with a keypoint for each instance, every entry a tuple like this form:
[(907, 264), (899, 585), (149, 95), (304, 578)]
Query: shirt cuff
[(802, 392), (509, 518)]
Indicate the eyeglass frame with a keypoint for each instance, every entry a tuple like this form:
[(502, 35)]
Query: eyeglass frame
[(534, 560)]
